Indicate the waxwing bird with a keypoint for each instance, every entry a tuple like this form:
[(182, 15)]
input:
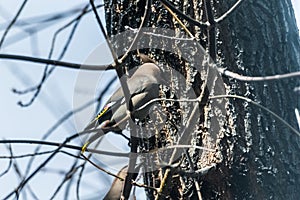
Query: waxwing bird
[(117, 186), (143, 86)]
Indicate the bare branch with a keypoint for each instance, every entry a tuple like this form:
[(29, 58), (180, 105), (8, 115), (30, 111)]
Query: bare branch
[(63, 145), (202, 24), (179, 21), (56, 62), (168, 37), (79, 180), (256, 78), (260, 106), (225, 96), (56, 125), (47, 72), (192, 168), (41, 166), (10, 162), (297, 117), (36, 154), (67, 176), (185, 146), (41, 19), (19, 173), (198, 173), (12, 22), (114, 55), (184, 16), (211, 32), (138, 33), (25, 155), (231, 10), (100, 168), (41, 23)]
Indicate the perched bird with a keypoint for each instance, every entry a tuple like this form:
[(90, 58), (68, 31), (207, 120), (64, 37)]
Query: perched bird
[(143, 86), (116, 188)]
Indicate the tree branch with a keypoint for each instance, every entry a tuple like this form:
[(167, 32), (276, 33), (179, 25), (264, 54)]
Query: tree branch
[(226, 14), (257, 78), (260, 106), (62, 145), (56, 62), (12, 22), (184, 16), (114, 55)]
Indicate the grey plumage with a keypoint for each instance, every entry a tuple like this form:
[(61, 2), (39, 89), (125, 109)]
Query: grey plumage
[(143, 86), (116, 188)]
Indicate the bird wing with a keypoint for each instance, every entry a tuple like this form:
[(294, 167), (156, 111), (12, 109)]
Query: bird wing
[(136, 85), (139, 86)]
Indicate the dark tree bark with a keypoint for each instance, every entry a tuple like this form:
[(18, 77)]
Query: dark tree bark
[(260, 39), (257, 155)]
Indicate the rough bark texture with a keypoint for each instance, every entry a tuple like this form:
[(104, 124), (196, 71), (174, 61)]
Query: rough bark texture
[(258, 156), (261, 39)]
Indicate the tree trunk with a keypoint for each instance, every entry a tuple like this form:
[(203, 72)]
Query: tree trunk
[(257, 155), (260, 39)]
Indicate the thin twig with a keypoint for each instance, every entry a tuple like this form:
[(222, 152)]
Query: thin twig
[(138, 33), (67, 176), (12, 22), (62, 145), (100, 168), (47, 73), (41, 166), (211, 32), (37, 154), (297, 117), (46, 18), (25, 155), (198, 173), (203, 24), (142, 185), (31, 26), (59, 122), (192, 168), (184, 16), (168, 37), (257, 78), (179, 21), (226, 14), (225, 96), (20, 175), (79, 180), (114, 55), (260, 106), (185, 146), (10, 162), (57, 62), (213, 97)]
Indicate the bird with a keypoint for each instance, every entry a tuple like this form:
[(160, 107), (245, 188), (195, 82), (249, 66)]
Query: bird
[(117, 185), (116, 188), (143, 86)]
